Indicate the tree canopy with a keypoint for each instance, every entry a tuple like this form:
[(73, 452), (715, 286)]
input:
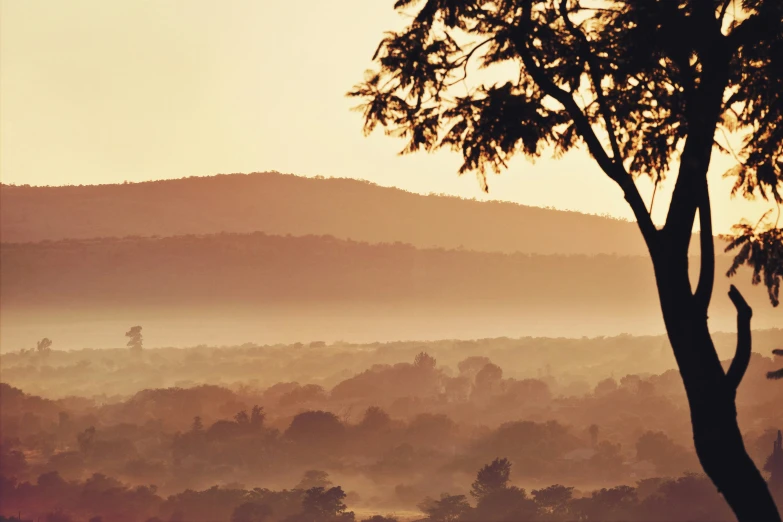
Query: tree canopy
[(648, 88)]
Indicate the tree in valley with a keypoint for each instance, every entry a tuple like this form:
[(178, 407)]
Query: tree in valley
[(593, 430), (242, 418), (325, 505), (774, 464), (257, 416), (86, 439), (496, 500), (134, 338), (424, 361), (449, 508), (492, 477), (553, 500), (44, 346), (649, 89)]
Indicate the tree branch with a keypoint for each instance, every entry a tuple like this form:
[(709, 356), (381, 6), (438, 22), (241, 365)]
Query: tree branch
[(703, 293), (742, 357), (613, 169), (702, 113), (595, 78)]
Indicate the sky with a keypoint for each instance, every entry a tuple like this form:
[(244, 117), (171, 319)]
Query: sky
[(96, 92)]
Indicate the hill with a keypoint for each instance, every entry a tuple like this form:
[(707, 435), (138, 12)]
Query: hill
[(339, 289), (285, 204)]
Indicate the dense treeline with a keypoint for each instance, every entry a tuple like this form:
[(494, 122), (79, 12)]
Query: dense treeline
[(396, 437), (256, 270), (579, 364), (262, 268), (281, 204), (690, 498)]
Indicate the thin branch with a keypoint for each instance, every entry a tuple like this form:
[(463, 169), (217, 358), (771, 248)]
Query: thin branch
[(615, 171), (704, 109), (742, 357), (730, 148), (655, 189), (595, 78), (761, 219), (461, 62)]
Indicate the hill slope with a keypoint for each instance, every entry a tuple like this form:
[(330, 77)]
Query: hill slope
[(285, 204)]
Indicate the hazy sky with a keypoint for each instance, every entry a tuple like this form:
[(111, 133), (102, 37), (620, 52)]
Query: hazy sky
[(96, 91)]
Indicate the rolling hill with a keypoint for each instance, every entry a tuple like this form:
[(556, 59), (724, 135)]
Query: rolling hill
[(285, 204)]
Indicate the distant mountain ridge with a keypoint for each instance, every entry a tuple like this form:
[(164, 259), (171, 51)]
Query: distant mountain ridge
[(282, 204)]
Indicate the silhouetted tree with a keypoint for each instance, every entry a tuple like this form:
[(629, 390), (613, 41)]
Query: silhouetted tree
[(553, 500), (668, 457), (488, 379), (322, 505), (509, 504), (691, 497), (375, 418), (134, 338), (607, 459), (316, 431), (44, 346), (640, 84), (197, 425), (593, 430), (605, 386), (473, 364), (496, 501), (257, 416), (449, 508), (774, 464), (86, 439), (617, 503), (492, 477), (424, 361), (242, 418)]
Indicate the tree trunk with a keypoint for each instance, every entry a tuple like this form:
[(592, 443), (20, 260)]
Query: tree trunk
[(711, 397)]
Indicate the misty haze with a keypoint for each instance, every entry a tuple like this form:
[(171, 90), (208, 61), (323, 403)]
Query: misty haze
[(414, 324)]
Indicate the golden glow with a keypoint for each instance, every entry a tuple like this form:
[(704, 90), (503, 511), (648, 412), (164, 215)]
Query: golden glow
[(104, 92)]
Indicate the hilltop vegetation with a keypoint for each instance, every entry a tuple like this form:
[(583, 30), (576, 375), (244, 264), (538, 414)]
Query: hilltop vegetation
[(285, 204)]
